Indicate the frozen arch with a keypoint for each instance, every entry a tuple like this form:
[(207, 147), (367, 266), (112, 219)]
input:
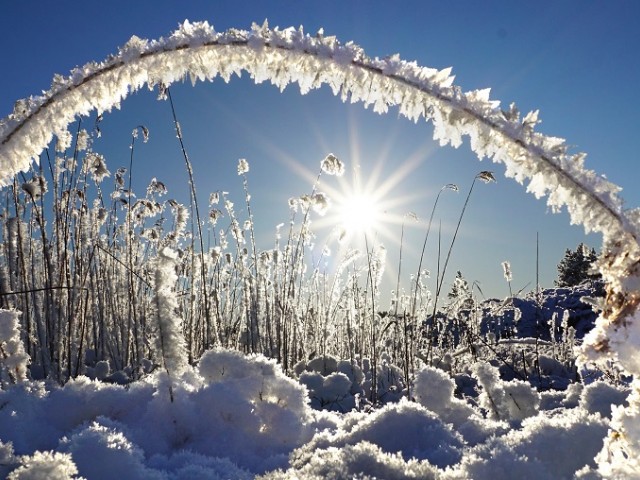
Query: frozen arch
[(285, 56)]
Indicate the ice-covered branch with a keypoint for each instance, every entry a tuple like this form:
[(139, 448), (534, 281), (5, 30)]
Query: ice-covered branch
[(290, 55)]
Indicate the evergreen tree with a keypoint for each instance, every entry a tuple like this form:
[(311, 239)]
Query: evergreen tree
[(576, 267)]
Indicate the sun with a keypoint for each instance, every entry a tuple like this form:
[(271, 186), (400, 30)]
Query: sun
[(365, 208), (358, 213)]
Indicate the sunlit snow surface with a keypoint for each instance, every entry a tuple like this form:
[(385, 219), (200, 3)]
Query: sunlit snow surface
[(236, 417)]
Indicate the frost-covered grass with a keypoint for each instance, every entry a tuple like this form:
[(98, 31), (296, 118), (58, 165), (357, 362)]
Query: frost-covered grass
[(131, 384), (105, 276), (113, 285)]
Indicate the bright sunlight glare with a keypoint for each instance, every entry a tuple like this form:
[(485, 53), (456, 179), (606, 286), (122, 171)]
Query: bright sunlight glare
[(359, 213)]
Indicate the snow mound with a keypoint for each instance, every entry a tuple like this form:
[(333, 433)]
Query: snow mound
[(233, 417), (600, 397), (363, 460), (547, 447), (406, 428), (434, 390)]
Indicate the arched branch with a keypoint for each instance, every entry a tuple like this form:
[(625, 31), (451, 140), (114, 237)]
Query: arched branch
[(291, 56)]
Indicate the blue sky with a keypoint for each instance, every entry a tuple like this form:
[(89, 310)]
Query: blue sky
[(576, 61)]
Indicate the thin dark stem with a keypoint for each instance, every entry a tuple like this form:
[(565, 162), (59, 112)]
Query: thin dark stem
[(424, 246), (374, 340), (44, 289), (395, 314), (453, 240), (131, 305), (212, 329)]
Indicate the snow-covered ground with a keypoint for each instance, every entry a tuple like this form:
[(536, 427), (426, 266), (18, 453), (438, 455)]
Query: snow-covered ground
[(237, 416)]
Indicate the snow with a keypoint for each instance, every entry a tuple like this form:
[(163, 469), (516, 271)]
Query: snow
[(545, 448), (236, 416), (252, 415), (242, 423)]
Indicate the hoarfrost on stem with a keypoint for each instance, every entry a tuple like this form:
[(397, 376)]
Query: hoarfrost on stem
[(13, 358), (331, 165), (171, 343), (506, 267), (243, 166)]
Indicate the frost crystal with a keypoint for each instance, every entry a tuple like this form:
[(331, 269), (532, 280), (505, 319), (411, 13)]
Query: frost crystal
[(96, 167), (506, 267), (331, 165), (243, 166)]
